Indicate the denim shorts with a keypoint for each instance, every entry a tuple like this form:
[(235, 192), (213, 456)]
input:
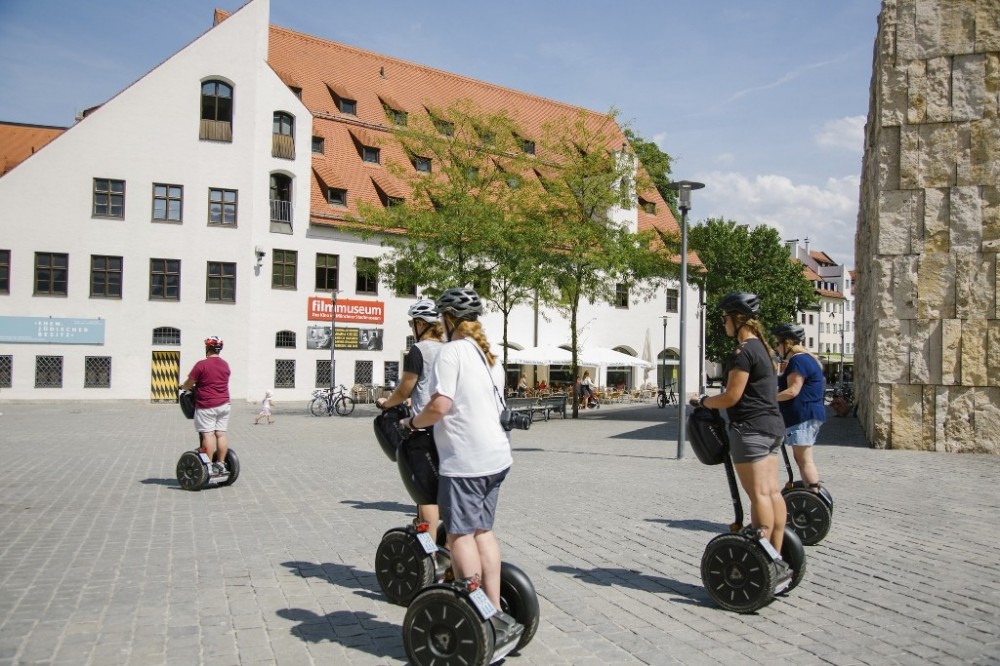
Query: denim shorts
[(750, 446), (212, 419), (803, 434), (469, 504)]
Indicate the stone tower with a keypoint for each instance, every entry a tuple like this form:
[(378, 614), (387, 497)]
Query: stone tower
[(928, 313)]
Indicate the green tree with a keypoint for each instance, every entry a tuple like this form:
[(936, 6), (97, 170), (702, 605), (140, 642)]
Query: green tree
[(737, 258), (464, 222), (658, 164), (589, 251)]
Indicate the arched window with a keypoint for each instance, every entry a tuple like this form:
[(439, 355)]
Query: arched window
[(283, 139), (281, 198), (166, 335), (216, 111), (284, 340)]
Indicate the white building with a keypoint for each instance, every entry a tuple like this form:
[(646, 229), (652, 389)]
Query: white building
[(209, 198)]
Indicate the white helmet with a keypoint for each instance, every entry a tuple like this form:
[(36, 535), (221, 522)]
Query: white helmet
[(424, 309)]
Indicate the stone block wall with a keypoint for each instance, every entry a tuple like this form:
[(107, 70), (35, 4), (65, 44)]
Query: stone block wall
[(927, 366)]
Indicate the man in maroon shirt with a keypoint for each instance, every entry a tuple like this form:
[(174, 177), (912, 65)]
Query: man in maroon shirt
[(211, 403)]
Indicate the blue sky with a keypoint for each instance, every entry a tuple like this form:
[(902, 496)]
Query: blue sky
[(763, 101)]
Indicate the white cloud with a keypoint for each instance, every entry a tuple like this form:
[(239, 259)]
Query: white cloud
[(843, 133), (826, 214)]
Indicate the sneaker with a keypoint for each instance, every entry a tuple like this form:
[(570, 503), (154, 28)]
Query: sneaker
[(218, 469), (505, 628), (783, 576)]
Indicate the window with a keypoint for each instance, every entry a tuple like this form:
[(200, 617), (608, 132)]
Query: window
[(51, 273), (284, 373), (296, 91), (810, 319), (336, 196), (284, 269), (109, 198), (422, 164), (4, 271), (284, 340), (165, 279), (6, 371), (397, 117), (348, 106), (403, 283), (410, 341), (222, 207), (444, 127), (388, 200), (528, 146), (391, 370), (319, 144), (167, 201), (326, 272), (363, 372), (648, 206), (371, 155), (283, 136), (810, 343), (322, 373), (220, 285), (48, 371), (621, 296), (673, 296), (105, 276), (97, 372), (216, 111), (367, 275), (281, 198), (166, 335)]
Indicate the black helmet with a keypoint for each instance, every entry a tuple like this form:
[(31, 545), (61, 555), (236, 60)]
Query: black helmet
[(740, 302), (789, 332), (461, 303)]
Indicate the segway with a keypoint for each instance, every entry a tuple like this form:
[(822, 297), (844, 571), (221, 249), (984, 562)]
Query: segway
[(195, 469), (810, 513), (741, 570), (447, 621)]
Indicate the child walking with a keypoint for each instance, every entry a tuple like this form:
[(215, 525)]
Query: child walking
[(265, 408)]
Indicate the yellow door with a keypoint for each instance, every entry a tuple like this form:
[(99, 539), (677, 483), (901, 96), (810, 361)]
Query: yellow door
[(164, 383)]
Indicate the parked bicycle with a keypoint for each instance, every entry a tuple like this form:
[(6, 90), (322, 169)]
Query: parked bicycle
[(666, 396), (327, 402)]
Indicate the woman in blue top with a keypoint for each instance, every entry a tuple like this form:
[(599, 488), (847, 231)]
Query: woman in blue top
[(800, 398)]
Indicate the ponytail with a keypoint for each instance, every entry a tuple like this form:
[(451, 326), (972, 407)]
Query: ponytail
[(474, 330)]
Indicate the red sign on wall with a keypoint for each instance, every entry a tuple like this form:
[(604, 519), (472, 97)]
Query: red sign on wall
[(361, 312)]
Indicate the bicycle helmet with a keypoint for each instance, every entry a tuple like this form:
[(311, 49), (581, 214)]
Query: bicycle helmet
[(425, 310), (461, 303), (789, 332), (740, 302), (214, 343)]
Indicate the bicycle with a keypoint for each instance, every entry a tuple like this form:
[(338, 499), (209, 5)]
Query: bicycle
[(664, 398), (327, 402)]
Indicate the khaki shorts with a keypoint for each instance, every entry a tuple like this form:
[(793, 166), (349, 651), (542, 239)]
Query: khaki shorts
[(212, 419)]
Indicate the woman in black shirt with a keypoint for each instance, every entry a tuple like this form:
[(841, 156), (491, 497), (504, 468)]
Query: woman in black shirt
[(755, 424)]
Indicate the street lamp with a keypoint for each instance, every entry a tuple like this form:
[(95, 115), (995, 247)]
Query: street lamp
[(333, 341), (683, 189)]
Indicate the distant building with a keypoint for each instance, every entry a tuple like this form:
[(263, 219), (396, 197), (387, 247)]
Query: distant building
[(210, 197)]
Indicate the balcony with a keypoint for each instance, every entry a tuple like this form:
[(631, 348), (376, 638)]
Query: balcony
[(281, 216)]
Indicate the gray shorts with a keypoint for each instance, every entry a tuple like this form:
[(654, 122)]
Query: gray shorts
[(751, 446), (212, 419), (469, 504)]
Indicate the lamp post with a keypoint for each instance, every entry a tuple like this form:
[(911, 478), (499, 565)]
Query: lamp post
[(333, 340), (683, 189), (843, 321), (663, 356)]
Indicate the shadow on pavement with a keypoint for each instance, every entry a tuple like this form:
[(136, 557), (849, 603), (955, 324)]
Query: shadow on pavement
[(693, 525), (342, 575), (610, 577), (315, 628), (380, 506), (160, 482)]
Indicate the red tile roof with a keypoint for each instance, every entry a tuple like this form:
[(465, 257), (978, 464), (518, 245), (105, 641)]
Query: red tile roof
[(18, 142)]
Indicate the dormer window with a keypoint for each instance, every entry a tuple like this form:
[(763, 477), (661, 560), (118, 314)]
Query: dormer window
[(336, 196), (318, 145), (397, 117), (422, 164), (371, 155), (444, 127), (348, 107), (346, 102), (647, 206), (528, 146)]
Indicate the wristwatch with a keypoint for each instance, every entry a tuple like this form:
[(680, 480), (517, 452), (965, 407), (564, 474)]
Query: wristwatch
[(701, 399)]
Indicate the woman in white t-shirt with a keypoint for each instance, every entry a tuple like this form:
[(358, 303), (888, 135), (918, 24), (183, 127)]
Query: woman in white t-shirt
[(473, 447)]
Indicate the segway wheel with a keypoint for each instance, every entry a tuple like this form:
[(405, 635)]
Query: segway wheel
[(191, 471), (402, 568), (233, 463), (442, 628), (344, 406), (737, 573), (519, 600), (794, 556), (808, 515)]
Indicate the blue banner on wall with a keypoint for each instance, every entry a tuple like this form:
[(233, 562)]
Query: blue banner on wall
[(52, 330)]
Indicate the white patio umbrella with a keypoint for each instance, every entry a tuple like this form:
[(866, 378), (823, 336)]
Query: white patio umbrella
[(647, 355), (603, 357), (544, 355)]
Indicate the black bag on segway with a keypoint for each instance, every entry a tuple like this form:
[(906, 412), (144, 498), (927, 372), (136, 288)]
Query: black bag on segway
[(417, 458), (186, 400), (708, 435), (386, 429)]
